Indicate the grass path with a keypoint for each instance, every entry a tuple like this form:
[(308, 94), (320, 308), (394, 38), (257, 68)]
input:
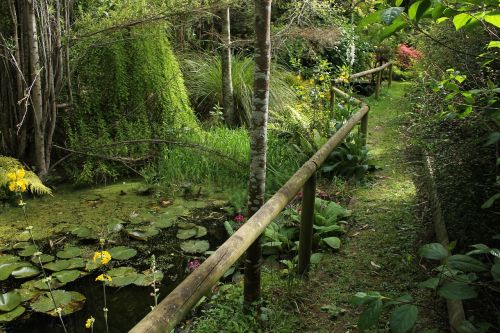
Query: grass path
[(379, 251)]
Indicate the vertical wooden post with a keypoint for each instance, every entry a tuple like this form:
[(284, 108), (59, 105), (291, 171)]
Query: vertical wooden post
[(390, 76), (306, 224), (377, 87), (364, 129)]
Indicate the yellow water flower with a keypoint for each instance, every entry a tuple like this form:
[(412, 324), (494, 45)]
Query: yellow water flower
[(104, 277), (104, 257), (16, 181), (90, 322)]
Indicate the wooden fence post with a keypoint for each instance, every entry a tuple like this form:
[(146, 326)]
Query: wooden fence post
[(364, 129), (390, 76), (377, 87), (306, 224)]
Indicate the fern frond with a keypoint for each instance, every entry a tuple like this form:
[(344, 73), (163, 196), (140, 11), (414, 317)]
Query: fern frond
[(10, 164)]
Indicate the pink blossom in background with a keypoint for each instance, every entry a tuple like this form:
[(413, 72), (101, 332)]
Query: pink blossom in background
[(193, 264), (239, 218), (406, 55)]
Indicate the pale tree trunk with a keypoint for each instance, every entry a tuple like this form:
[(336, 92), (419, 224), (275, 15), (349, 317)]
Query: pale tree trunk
[(258, 142), (227, 78), (36, 91)]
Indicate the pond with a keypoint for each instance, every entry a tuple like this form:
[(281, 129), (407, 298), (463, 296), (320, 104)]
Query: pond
[(136, 222)]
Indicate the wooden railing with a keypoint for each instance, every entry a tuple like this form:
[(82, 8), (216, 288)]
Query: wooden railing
[(186, 295)]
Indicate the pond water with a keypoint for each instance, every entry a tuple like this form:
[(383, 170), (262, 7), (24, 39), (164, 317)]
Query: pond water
[(150, 224)]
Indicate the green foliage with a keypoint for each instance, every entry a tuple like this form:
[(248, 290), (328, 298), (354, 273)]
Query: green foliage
[(34, 184), (129, 87), (282, 235), (456, 280), (203, 75), (227, 303)]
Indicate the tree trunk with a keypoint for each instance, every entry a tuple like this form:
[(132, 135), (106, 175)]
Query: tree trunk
[(258, 142), (36, 91), (227, 78)]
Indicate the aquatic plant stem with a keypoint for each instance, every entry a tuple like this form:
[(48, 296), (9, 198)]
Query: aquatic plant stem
[(37, 255)]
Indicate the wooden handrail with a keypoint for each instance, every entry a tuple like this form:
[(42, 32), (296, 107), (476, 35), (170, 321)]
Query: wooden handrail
[(186, 295), (371, 71)]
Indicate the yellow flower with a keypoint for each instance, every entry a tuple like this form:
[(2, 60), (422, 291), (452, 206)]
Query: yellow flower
[(322, 78), (104, 257), (90, 322), (103, 277), (17, 183)]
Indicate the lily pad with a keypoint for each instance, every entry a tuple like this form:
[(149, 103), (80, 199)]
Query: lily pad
[(60, 265), (69, 252), (25, 272), (44, 258), (21, 245), (8, 258), (7, 268), (23, 236), (122, 252), (122, 276), (146, 278), (42, 285), (84, 233), (9, 301), (185, 225), (10, 316), (67, 276), (142, 233), (201, 231), (195, 246), (28, 293), (186, 233), (163, 223), (116, 225), (28, 251), (68, 301)]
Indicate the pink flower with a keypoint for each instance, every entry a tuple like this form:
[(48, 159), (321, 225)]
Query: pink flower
[(406, 55), (193, 264), (239, 218)]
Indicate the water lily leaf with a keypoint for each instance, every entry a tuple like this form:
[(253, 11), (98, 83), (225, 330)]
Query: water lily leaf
[(185, 225), (28, 293), (186, 233), (44, 258), (122, 252), (122, 276), (10, 316), (8, 258), (60, 265), (6, 269), (84, 233), (163, 223), (200, 231), (21, 245), (42, 285), (146, 278), (68, 301), (76, 263), (28, 251), (23, 236), (143, 233), (67, 276), (116, 225), (195, 246), (69, 252), (25, 272), (9, 301)]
